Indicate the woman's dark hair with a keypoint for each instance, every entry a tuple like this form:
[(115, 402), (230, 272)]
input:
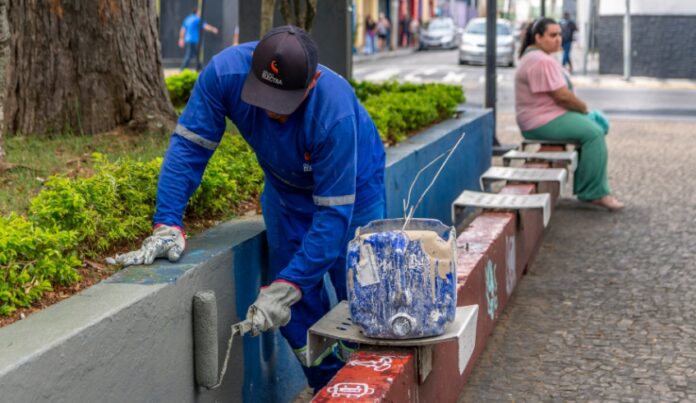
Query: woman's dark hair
[(535, 27)]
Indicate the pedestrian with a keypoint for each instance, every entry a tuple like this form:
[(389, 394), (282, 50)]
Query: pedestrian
[(323, 162), (189, 35), (568, 29), (413, 29), (547, 109), (404, 34), (383, 30), (370, 32)]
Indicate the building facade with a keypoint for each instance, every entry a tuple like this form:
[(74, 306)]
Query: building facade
[(663, 34)]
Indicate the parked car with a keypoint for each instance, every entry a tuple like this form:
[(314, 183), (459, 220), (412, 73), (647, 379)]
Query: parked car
[(472, 48), (439, 33)]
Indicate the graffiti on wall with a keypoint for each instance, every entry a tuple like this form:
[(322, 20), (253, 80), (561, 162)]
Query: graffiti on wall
[(351, 389), (491, 289)]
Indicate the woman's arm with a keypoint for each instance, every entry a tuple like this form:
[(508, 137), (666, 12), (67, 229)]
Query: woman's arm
[(565, 98)]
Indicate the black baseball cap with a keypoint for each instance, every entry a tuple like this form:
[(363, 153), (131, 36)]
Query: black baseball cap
[(282, 67)]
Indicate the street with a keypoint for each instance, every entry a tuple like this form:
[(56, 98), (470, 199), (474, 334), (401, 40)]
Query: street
[(642, 98)]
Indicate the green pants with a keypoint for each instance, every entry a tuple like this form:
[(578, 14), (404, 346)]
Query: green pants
[(591, 174)]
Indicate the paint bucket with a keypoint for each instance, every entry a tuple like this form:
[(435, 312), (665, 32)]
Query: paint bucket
[(402, 281)]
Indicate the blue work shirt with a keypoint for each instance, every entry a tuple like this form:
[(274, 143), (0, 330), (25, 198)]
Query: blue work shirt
[(192, 26), (325, 161)]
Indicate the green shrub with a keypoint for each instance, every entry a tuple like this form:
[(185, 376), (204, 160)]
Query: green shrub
[(232, 175), (180, 86), (74, 218), (31, 260), (399, 109)]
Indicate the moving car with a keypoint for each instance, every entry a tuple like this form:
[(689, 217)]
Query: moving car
[(472, 48), (439, 33)]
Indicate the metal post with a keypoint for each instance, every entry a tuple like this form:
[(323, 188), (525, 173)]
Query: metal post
[(199, 48), (490, 58), (543, 8), (588, 25), (627, 42)]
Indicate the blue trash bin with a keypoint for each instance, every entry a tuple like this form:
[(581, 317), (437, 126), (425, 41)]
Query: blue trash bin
[(402, 283)]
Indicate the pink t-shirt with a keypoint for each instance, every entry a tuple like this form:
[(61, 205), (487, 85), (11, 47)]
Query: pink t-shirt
[(537, 75)]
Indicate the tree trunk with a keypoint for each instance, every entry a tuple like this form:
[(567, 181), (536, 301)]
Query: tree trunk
[(267, 11), (84, 66), (4, 60), (295, 14)]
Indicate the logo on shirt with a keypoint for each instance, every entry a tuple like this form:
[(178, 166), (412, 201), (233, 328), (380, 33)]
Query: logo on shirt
[(307, 166), (272, 76)]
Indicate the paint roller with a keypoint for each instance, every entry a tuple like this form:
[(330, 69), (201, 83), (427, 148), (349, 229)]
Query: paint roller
[(205, 340)]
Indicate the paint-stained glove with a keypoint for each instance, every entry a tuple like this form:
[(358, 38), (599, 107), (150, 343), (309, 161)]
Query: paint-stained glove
[(165, 240), (271, 309)]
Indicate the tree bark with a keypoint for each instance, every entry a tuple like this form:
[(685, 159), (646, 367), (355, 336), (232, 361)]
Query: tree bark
[(84, 66), (4, 60), (267, 12), (294, 14)]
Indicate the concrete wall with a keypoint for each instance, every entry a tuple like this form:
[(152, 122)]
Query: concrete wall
[(660, 45), (129, 339)]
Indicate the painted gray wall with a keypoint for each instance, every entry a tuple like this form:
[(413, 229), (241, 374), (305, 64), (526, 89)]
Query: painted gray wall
[(130, 339), (331, 30), (662, 46)]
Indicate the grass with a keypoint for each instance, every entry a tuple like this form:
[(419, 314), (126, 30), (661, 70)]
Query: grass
[(37, 158)]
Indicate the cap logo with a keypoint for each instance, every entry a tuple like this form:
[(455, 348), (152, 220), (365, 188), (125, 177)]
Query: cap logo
[(274, 67), (271, 76)]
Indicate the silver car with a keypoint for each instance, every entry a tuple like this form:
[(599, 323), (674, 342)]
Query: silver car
[(439, 33), (472, 48)]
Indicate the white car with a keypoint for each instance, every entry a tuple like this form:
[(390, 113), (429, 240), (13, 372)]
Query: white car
[(439, 33), (472, 48)]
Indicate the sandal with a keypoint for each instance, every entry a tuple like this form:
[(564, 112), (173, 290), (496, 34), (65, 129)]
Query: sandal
[(609, 202)]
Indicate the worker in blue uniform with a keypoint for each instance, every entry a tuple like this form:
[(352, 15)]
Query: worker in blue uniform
[(323, 162)]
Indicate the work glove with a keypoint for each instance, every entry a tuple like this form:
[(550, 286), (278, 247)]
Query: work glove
[(165, 240), (271, 309)]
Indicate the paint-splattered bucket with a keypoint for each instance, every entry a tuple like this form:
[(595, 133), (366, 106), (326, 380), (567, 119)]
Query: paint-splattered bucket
[(402, 284)]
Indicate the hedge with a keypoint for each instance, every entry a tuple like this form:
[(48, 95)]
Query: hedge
[(75, 218), (397, 109), (71, 219)]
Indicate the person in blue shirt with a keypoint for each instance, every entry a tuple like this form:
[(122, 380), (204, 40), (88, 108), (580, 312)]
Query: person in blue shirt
[(323, 162), (189, 35)]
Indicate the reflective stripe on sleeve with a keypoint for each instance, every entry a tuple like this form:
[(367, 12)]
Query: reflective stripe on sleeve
[(195, 138), (334, 200)]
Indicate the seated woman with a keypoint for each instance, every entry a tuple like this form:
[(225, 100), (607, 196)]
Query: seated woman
[(547, 109)]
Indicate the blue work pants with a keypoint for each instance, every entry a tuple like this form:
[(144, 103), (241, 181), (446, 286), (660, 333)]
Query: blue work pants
[(286, 226)]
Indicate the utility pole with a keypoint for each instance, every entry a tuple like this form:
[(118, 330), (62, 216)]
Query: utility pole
[(627, 42), (491, 76), (491, 25)]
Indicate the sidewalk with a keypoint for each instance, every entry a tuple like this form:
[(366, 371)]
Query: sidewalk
[(592, 78), (606, 312)]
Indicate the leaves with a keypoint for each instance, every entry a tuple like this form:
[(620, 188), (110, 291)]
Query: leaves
[(74, 219)]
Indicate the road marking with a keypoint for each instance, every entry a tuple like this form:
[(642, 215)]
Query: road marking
[(383, 75), (452, 77)]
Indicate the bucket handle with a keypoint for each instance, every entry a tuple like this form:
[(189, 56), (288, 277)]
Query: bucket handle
[(408, 212)]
